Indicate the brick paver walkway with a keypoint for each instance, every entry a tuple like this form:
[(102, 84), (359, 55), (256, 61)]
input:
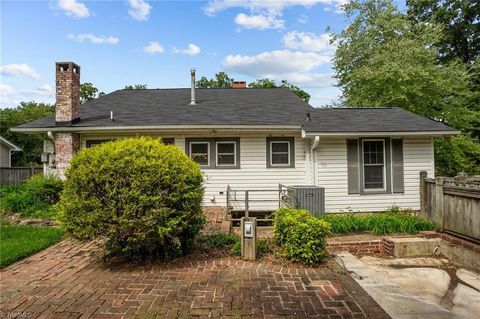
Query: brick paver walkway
[(65, 281)]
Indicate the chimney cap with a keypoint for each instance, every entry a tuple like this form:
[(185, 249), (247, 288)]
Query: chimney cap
[(62, 65)]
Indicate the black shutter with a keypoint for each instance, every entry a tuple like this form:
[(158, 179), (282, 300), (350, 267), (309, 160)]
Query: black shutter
[(397, 165), (353, 167)]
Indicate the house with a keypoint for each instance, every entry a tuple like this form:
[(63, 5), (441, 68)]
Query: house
[(6, 150), (255, 139)]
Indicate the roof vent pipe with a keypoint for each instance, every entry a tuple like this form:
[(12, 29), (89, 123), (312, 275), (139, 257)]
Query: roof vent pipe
[(308, 117), (111, 116), (192, 74)]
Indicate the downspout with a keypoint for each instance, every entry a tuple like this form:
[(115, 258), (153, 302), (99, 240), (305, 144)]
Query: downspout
[(51, 137), (316, 142)]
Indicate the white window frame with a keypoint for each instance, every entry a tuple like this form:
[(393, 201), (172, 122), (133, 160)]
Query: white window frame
[(384, 188), (288, 157), (208, 152), (234, 153)]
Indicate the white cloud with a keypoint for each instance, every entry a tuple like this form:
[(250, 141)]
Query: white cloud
[(294, 66), (303, 19), (73, 8), (42, 90), (19, 70), (6, 90), (259, 21), (274, 62), (308, 41), (192, 49), (139, 9), (93, 38), (262, 10), (153, 48)]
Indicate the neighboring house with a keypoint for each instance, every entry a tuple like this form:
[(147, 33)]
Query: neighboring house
[(367, 159), (6, 150)]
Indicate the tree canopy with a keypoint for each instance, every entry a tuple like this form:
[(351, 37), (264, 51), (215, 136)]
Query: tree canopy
[(384, 58), (88, 92), (222, 80), (31, 144), (136, 87)]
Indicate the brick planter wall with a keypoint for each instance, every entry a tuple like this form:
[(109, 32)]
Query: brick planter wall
[(368, 247)]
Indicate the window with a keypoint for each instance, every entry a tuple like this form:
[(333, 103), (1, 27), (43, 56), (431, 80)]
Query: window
[(216, 152), (280, 152), (374, 164), (168, 140), (90, 143), (226, 154), (200, 152)]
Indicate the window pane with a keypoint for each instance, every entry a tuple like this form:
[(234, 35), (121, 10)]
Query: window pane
[(199, 153), (226, 159), (199, 148), (374, 176), (226, 148), (279, 147), (373, 152), (168, 141), (279, 159), (201, 159)]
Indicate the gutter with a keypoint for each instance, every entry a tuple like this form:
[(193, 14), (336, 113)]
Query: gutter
[(399, 133), (153, 128)]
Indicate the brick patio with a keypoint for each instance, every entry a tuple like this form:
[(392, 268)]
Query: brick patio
[(67, 281)]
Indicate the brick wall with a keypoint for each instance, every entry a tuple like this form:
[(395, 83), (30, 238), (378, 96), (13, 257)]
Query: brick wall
[(367, 247), (66, 145), (216, 219), (67, 77)]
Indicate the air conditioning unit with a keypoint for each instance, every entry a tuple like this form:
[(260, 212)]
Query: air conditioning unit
[(311, 198)]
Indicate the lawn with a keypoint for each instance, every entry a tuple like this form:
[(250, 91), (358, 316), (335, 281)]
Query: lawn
[(17, 242)]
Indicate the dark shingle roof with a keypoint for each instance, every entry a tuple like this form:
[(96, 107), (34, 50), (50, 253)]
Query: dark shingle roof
[(277, 106), (333, 120), (171, 107)]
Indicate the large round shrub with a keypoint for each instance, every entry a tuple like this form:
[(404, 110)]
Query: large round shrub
[(143, 196)]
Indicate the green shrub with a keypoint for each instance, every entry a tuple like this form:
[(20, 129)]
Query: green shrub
[(265, 246), (221, 241), (34, 198), (378, 223), (301, 235), (143, 196)]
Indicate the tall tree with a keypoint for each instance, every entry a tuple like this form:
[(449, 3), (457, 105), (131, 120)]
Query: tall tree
[(88, 92), (221, 80), (267, 83), (136, 87), (460, 20), (31, 144), (385, 59)]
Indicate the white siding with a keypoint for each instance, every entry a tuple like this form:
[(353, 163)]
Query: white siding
[(331, 157), (252, 174)]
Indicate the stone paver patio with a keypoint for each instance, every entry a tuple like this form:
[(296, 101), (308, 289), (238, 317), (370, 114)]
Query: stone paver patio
[(66, 281)]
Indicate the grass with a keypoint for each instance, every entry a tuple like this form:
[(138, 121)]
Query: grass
[(17, 242), (378, 223)]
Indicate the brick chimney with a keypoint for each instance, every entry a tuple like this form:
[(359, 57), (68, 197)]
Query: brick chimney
[(239, 85), (67, 109)]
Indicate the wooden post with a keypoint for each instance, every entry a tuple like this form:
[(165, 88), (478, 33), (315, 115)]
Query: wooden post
[(439, 202), (249, 238), (423, 175), (246, 204)]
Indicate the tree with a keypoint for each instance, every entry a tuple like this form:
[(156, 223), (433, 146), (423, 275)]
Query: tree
[(384, 59), (88, 92), (222, 80), (31, 144), (459, 20), (144, 197), (267, 83), (136, 87)]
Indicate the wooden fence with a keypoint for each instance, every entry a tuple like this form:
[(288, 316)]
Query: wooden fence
[(17, 175), (453, 203)]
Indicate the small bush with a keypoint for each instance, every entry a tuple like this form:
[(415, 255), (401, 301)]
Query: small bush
[(32, 199), (265, 246), (220, 241), (378, 223), (301, 235), (144, 197)]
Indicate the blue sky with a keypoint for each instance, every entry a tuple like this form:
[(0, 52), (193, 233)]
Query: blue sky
[(157, 42)]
